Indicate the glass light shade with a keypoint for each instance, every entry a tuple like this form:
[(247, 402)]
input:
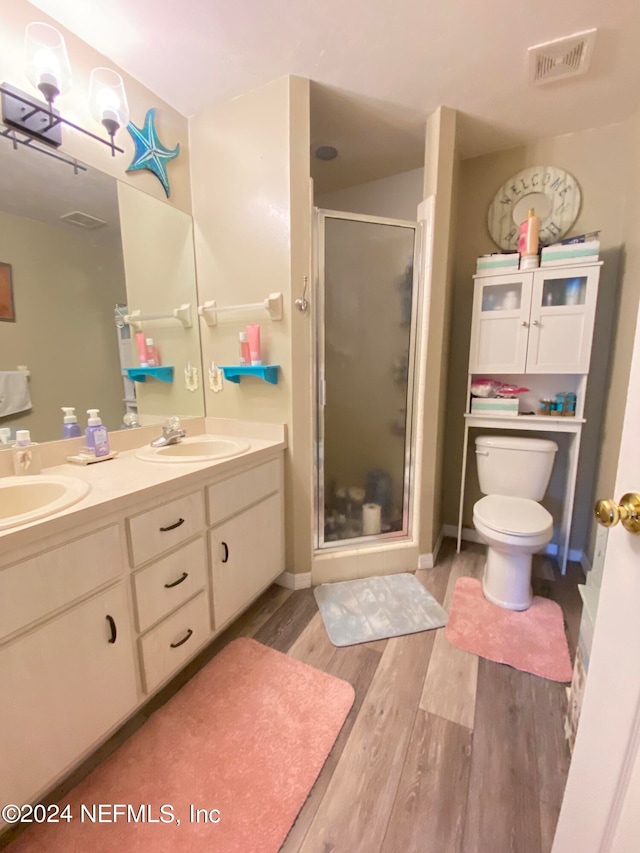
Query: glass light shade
[(108, 99), (48, 67)]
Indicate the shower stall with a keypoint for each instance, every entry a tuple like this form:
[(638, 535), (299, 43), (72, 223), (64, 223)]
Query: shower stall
[(366, 310)]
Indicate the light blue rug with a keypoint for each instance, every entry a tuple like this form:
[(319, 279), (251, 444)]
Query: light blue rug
[(377, 608)]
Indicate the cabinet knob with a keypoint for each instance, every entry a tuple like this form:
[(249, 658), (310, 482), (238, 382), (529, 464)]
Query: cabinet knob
[(536, 323), (524, 323), (608, 513)]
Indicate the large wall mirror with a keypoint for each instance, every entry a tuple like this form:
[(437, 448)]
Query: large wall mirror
[(77, 243)]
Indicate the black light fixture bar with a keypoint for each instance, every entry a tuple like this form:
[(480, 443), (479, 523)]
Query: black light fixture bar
[(12, 134), (42, 121)]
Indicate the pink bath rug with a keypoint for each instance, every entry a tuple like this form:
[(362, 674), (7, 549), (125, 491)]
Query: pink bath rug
[(224, 767), (532, 640)]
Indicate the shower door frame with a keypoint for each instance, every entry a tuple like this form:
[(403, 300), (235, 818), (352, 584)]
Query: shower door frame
[(319, 383)]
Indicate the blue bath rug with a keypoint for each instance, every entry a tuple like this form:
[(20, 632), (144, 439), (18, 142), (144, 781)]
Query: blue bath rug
[(377, 608)]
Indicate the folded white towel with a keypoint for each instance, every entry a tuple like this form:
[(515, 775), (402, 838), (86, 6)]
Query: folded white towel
[(14, 392)]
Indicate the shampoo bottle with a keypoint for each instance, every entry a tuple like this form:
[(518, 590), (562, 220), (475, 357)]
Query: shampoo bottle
[(529, 234), (71, 427), (245, 355), (255, 349), (26, 457), (153, 356), (96, 435)]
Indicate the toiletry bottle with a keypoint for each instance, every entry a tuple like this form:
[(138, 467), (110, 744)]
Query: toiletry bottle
[(529, 234), (255, 352), (5, 436), (26, 455), (71, 427), (245, 355), (96, 435), (153, 356), (142, 349)]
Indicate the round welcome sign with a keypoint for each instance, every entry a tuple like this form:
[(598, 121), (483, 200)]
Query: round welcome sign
[(554, 195)]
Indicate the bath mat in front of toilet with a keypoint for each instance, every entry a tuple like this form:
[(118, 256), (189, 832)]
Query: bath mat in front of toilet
[(531, 640), (377, 608)]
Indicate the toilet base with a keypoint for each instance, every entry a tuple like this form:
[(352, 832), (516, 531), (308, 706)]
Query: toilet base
[(507, 580)]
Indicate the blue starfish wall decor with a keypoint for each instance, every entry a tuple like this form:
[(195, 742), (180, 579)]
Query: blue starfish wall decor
[(150, 152)]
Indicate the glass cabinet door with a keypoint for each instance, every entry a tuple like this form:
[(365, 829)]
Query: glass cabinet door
[(500, 324), (563, 308)]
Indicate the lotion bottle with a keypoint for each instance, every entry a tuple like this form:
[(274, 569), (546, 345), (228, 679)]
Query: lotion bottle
[(153, 356), (71, 427), (255, 349), (529, 234), (96, 435), (26, 455), (245, 355)]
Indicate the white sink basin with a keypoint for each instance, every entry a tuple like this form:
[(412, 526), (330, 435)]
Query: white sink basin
[(198, 448), (25, 499)]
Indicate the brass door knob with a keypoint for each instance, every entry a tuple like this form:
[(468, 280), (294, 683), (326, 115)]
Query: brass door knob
[(609, 513)]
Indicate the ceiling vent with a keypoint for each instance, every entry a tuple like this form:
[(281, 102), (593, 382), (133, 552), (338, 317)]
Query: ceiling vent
[(565, 57), (83, 220)]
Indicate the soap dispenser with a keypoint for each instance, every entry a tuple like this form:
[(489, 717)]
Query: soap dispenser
[(96, 435), (26, 455), (70, 427)]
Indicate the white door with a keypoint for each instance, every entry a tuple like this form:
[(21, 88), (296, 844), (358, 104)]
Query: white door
[(500, 325), (601, 808), (563, 310)]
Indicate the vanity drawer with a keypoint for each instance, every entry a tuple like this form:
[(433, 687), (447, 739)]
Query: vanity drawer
[(40, 585), (158, 530), (165, 648), (230, 496), (163, 586)]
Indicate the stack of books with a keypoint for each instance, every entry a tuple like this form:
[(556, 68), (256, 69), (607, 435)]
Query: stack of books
[(584, 249), (491, 264)]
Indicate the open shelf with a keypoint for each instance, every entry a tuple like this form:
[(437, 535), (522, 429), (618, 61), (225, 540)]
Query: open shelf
[(234, 372), (139, 374)]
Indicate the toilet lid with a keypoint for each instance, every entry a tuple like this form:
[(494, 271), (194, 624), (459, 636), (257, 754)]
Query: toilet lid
[(515, 516)]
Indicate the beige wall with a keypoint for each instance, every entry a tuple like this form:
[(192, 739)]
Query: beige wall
[(599, 159), (396, 197), (159, 262), (250, 161), (64, 290), (172, 127), (440, 180)]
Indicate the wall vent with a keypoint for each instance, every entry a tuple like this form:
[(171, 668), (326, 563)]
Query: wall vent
[(83, 220), (561, 58)]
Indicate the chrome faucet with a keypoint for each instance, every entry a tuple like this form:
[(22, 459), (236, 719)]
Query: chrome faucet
[(171, 433)]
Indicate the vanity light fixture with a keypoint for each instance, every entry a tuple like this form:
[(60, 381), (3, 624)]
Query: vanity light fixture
[(48, 70)]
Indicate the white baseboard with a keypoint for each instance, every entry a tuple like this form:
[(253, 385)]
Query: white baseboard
[(293, 580), (428, 561), (471, 535)]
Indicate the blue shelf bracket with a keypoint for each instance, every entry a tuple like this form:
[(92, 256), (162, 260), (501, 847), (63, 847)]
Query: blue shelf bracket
[(139, 374), (268, 372)]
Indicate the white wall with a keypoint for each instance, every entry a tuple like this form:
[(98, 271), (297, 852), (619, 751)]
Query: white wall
[(396, 197)]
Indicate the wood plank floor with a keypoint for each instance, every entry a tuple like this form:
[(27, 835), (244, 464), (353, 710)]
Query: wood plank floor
[(442, 752)]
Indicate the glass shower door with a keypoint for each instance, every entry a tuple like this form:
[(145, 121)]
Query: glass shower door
[(365, 355)]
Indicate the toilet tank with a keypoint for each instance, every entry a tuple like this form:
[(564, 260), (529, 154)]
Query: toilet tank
[(518, 467)]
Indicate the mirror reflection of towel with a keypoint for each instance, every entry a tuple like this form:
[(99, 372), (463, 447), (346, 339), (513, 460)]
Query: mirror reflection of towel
[(14, 392)]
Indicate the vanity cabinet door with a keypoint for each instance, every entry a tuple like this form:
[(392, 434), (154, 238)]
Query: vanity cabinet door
[(563, 310), (247, 554), (64, 686), (500, 324)]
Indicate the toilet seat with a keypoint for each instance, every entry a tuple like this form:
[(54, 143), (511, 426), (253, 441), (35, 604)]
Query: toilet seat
[(512, 516)]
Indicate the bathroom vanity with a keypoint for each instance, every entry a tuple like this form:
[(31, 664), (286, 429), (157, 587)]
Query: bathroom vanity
[(103, 603), (534, 328)]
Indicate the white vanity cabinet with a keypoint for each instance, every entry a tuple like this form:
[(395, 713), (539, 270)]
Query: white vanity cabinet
[(64, 685), (538, 321), (91, 627)]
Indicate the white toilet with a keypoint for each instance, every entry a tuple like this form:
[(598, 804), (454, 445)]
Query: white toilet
[(513, 473)]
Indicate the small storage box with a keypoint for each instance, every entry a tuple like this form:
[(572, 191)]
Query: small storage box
[(494, 406)]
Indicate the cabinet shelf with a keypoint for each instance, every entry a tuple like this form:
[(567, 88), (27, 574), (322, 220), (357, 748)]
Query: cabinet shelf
[(234, 372), (139, 374)]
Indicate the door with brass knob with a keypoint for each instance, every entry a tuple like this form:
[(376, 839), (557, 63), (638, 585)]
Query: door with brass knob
[(608, 513)]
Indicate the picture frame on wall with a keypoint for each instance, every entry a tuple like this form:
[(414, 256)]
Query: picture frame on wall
[(7, 309)]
